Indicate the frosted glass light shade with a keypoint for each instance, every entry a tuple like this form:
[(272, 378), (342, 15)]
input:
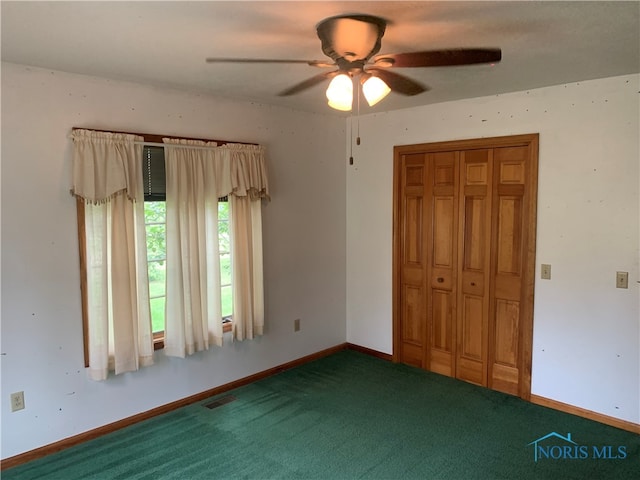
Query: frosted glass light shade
[(340, 92), (374, 90)]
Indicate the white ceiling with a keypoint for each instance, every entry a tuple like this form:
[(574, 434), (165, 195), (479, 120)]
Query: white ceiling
[(166, 43)]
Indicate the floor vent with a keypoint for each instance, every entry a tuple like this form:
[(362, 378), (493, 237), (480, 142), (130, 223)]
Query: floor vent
[(220, 402)]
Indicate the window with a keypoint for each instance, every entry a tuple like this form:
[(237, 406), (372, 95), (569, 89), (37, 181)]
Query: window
[(111, 216), (155, 224), (225, 260)]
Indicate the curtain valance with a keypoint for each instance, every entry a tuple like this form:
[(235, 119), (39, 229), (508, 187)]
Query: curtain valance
[(102, 166), (248, 171), (105, 165), (240, 169)]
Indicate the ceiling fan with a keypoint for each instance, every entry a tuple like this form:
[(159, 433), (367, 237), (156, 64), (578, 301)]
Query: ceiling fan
[(352, 42)]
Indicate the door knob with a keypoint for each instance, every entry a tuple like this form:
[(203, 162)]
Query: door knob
[(440, 279)]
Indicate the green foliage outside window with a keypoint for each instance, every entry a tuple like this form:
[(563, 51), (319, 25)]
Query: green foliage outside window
[(155, 220)]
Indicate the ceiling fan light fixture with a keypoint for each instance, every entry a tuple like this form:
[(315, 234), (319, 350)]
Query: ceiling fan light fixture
[(340, 92), (374, 90)]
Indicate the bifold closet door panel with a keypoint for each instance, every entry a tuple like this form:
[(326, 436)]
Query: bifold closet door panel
[(474, 252), (511, 172), (413, 259), (442, 191)]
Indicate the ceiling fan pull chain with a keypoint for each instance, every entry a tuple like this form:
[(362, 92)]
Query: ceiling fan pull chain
[(351, 138), (358, 106)]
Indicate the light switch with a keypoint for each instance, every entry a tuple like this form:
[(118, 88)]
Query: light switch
[(545, 272), (622, 279)]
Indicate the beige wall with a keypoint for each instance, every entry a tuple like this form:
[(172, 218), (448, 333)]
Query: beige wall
[(41, 322), (586, 346)]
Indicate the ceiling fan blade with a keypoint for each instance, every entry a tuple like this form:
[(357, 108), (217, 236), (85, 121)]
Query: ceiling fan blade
[(440, 58), (313, 63), (398, 83), (308, 83)]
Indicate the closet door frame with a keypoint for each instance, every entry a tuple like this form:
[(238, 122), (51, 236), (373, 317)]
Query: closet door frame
[(528, 279)]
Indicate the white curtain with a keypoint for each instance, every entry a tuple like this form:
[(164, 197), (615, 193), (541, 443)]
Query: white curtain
[(196, 178), (193, 312), (248, 186), (246, 258), (107, 177)]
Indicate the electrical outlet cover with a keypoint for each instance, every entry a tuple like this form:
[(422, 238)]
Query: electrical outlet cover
[(622, 279), (545, 271), (17, 401)]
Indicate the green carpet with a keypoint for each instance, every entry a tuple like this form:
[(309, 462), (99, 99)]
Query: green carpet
[(350, 416)]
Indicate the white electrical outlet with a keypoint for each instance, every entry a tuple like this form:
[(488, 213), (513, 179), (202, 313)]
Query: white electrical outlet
[(622, 279), (17, 401), (296, 325), (545, 271)]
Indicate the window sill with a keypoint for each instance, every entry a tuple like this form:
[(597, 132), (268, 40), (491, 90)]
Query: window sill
[(158, 338)]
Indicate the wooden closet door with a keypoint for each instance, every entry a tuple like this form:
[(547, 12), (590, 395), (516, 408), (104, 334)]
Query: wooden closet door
[(508, 263), (464, 259), (412, 289), (474, 252), (442, 192)]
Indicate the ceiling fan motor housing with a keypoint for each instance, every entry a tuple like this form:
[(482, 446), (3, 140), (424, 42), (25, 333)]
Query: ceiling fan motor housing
[(351, 37)]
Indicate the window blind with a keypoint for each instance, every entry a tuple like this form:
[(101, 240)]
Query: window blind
[(153, 174)]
